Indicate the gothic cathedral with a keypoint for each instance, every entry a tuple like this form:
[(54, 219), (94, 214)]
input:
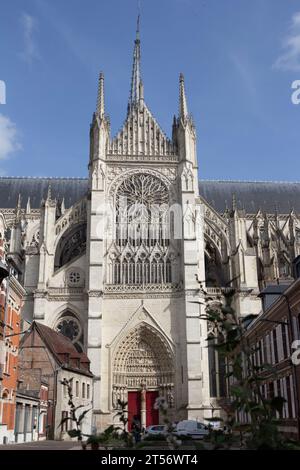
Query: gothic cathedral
[(113, 261)]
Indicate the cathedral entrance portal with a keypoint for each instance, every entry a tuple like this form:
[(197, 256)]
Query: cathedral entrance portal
[(141, 404), (143, 370)]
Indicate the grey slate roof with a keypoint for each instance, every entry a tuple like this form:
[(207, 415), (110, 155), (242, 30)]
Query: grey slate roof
[(250, 195), (72, 189)]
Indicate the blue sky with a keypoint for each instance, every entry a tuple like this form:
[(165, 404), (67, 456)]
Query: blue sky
[(239, 59)]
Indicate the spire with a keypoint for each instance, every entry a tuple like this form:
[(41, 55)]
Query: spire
[(183, 109), (100, 98), (136, 87)]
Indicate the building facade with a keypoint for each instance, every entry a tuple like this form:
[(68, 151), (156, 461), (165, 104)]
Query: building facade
[(11, 301), (275, 336), (47, 358), (112, 260)]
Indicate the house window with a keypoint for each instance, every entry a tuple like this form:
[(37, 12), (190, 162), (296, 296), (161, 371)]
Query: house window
[(289, 397), (284, 341), (64, 426), (83, 390), (88, 391), (260, 352), (77, 388), (275, 346)]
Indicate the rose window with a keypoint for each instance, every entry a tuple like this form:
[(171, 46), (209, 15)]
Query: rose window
[(69, 327), (141, 252), (74, 278)]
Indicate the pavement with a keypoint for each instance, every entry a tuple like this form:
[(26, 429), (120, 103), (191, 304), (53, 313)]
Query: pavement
[(43, 445)]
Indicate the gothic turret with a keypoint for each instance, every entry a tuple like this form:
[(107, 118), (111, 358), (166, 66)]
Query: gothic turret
[(100, 129), (185, 137)]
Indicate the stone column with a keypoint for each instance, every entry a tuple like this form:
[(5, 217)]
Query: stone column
[(20, 429), (143, 407), (30, 417)]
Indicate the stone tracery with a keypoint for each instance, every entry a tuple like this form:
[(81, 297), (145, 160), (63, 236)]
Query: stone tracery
[(143, 359), (142, 251)]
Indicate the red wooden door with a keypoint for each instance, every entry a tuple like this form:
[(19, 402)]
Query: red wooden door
[(134, 407), (152, 415)]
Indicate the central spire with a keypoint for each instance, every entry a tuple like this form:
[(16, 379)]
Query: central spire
[(136, 91)]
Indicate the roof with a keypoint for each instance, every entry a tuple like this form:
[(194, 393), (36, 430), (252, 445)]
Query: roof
[(62, 349), (71, 189), (249, 195), (252, 195)]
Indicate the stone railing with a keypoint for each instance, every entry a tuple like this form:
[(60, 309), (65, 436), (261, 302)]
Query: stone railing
[(169, 158), (217, 290), (121, 288)]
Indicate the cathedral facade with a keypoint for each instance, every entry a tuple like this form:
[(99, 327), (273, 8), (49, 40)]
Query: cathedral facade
[(112, 261)]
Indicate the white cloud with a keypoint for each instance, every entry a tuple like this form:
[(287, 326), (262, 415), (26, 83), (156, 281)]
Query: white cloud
[(9, 139), (290, 57), (30, 50)]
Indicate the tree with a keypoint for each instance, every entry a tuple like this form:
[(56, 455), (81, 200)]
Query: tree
[(74, 418)]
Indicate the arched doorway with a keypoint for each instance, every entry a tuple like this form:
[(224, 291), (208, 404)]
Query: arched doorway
[(143, 369)]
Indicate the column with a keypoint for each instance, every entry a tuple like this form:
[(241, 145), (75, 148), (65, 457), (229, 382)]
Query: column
[(20, 430), (143, 407)]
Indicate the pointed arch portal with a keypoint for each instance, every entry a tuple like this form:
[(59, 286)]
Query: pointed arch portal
[(143, 369)]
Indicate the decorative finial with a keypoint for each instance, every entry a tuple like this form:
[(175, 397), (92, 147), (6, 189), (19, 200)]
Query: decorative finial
[(28, 206), (233, 201), (18, 210), (19, 202), (49, 193), (100, 111), (62, 207)]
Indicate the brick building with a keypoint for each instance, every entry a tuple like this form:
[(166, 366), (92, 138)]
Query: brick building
[(274, 334), (11, 301), (48, 356)]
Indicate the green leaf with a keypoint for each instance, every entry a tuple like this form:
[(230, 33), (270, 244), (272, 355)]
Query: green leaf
[(80, 418), (74, 433), (64, 420), (78, 407)]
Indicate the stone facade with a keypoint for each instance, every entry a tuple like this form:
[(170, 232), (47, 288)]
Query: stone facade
[(121, 280)]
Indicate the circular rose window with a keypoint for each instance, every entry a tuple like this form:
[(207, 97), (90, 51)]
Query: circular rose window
[(69, 327), (74, 277)]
